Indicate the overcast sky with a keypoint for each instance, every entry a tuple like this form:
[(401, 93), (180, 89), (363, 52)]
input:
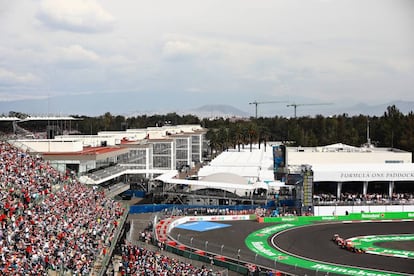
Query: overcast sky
[(176, 54)]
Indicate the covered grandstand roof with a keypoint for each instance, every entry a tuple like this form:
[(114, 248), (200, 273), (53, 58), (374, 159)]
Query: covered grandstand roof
[(49, 118), (9, 119), (255, 165), (225, 177), (233, 170)]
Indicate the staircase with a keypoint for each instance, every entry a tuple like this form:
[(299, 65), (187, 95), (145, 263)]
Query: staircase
[(21, 131)]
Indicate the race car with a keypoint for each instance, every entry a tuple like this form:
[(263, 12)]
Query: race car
[(338, 240), (346, 244)]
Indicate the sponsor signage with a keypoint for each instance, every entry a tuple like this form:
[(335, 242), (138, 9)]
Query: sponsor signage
[(353, 216), (329, 218), (371, 216), (362, 175), (260, 247), (346, 270), (376, 175)]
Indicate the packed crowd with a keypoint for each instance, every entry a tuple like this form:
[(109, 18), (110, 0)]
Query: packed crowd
[(367, 198), (141, 261), (48, 220)]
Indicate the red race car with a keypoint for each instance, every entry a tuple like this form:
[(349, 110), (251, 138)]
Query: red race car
[(346, 244)]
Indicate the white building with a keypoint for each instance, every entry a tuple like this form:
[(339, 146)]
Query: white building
[(358, 169), (148, 152)]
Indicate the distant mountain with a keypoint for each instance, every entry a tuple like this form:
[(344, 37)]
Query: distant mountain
[(404, 107), (132, 104), (219, 110)]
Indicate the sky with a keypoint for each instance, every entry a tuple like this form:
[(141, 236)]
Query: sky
[(133, 56)]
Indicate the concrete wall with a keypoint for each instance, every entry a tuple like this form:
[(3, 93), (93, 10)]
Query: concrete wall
[(341, 210), (129, 135), (53, 145)]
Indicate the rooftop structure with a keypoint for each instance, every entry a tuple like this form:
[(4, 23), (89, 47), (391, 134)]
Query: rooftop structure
[(345, 154), (147, 152), (255, 165)]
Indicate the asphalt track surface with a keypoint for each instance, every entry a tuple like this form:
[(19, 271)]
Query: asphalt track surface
[(313, 242)]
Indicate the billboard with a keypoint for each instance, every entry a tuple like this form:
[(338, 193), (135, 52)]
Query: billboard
[(279, 157), (279, 162)]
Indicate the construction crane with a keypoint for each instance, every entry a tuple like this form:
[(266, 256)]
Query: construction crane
[(256, 103), (295, 105)]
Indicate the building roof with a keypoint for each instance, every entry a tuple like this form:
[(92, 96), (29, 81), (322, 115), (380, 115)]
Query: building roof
[(225, 177), (50, 118), (9, 119), (340, 147), (87, 151), (255, 165)]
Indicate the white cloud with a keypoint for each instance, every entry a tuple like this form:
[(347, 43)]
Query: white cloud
[(235, 54), (78, 53), (259, 50), (10, 96), (75, 15), (176, 49), (75, 57), (8, 77)]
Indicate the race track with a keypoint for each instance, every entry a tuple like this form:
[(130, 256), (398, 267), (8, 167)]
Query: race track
[(312, 242)]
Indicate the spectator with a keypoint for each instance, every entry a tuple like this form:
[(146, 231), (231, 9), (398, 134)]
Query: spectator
[(141, 261), (49, 220)]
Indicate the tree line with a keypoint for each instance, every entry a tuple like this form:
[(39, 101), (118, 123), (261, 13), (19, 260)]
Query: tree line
[(393, 129)]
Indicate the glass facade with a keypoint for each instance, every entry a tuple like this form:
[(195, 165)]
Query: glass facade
[(181, 152), (138, 158), (195, 148), (161, 155), (106, 162)]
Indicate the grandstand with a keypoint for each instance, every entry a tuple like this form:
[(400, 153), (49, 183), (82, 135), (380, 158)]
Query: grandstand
[(7, 125), (31, 127), (50, 221)]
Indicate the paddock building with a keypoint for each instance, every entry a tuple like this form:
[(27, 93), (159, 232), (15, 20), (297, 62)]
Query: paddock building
[(339, 169)]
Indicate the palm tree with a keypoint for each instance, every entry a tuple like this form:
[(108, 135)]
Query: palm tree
[(252, 133), (223, 138), (213, 143)]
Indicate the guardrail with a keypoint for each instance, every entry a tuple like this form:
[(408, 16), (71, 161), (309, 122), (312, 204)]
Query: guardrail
[(352, 216), (363, 202)]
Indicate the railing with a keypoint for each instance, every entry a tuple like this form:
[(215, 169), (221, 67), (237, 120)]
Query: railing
[(118, 231), (171, 208), (231, 258), (362, 202)]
